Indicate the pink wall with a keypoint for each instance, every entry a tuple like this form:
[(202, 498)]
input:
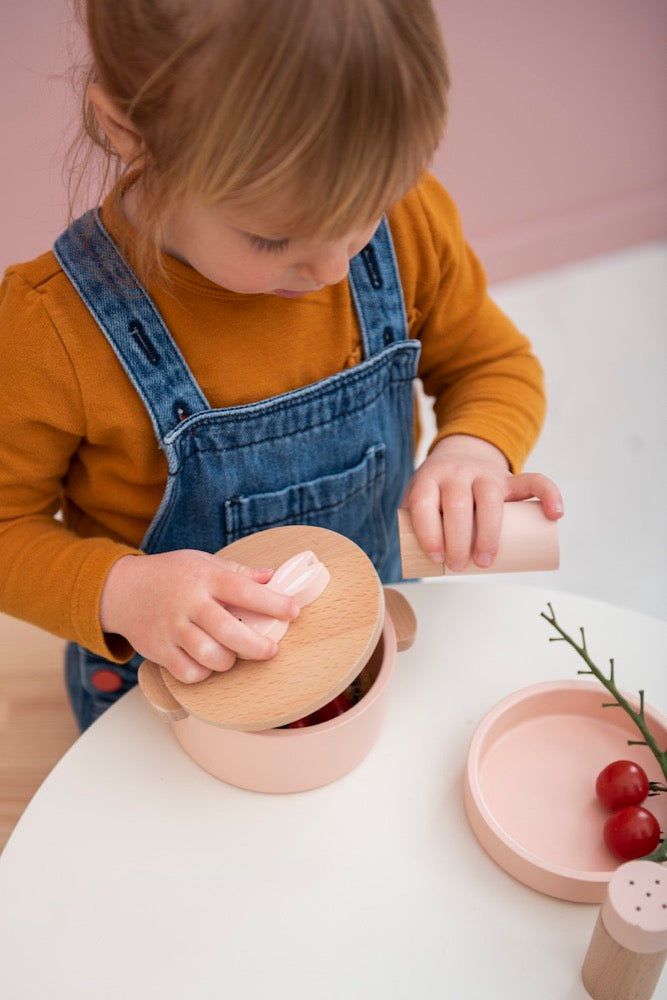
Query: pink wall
[(556, 148), (35, 111)]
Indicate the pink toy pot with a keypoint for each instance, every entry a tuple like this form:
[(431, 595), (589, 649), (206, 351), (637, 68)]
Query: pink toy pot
[(231, 724)]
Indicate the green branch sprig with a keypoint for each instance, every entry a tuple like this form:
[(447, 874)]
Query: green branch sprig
[(638, 717)]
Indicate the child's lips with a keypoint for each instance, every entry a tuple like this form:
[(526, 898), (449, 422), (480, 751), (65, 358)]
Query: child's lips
[(286, 293)]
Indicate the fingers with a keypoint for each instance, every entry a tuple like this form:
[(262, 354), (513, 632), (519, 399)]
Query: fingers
[(212, 636), (472, 518), (456, 500), (174, 609), (185, 669), (534, 484), (443, 522), (427, 522), (237, 585), (488, 498), (200, 655), (212, 643), (457, 521), (464, 521), (489, 501), (259, 574), (222, 628)]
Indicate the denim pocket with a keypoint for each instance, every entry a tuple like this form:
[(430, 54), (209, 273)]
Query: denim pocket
[(347, 501)]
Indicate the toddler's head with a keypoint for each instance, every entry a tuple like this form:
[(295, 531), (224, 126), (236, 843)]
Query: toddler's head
[(319, 114)]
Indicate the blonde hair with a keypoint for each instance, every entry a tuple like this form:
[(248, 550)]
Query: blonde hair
[(335, 106)]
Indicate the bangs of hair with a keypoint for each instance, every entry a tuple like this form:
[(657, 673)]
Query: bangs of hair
[(339, 111), (333, 109)]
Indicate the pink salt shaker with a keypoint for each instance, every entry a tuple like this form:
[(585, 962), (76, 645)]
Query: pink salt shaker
[(628, 948)]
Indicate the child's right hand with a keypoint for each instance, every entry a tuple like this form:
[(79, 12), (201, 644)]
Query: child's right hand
[(171, 608)]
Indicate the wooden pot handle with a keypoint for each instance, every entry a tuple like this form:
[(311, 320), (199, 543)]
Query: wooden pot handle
[(157, 694), (402, 616)]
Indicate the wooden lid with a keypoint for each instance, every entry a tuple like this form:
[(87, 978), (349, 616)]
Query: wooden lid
[(323, 651)]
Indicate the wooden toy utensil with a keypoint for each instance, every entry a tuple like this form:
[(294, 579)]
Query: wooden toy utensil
[(528, 542), (320, 654)]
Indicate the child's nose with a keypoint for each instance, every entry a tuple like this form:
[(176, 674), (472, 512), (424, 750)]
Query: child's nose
[(329, 265)]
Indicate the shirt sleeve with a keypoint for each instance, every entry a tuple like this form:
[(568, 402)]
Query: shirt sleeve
[(50, 576), (478, 367)]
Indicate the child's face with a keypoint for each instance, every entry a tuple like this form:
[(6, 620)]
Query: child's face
[(247, 252)]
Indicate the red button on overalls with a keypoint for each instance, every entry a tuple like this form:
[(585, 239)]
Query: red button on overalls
[(106, 680)]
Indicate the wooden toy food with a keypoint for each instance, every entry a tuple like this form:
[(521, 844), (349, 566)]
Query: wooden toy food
[(231, 723)]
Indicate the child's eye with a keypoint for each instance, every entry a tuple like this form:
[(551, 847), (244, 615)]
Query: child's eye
[(262, 243)]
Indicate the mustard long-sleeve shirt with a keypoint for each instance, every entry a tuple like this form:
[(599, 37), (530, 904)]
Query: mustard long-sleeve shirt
[(75, 436)]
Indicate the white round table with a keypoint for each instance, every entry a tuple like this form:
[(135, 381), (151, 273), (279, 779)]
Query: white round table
[(133, 874)]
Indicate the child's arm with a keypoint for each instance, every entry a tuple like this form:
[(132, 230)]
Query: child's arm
[(485, 381), (463, 476), (172, 609), (55, 577)]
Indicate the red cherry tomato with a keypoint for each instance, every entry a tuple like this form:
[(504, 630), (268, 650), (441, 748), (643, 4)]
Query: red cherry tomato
[(631, 832), (622, 783), (331, 710)]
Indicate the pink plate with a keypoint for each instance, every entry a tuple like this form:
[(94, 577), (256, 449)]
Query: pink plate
[(530, 784)]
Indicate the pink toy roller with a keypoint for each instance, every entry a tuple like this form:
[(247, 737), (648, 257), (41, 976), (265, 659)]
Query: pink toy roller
[(528, 542)]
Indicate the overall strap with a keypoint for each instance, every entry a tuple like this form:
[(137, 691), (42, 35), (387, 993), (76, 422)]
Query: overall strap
[(376, 290), (128, 318)]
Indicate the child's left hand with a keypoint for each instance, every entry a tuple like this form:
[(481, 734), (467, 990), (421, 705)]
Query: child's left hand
[(465, 476)]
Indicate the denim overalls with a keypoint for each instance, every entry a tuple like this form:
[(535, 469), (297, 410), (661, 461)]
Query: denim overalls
[(337, 453)]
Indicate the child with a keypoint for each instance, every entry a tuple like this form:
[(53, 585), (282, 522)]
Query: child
[(231, 342)]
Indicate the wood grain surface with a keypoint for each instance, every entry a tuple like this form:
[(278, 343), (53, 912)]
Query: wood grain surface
[(37, 725), (323, 650)]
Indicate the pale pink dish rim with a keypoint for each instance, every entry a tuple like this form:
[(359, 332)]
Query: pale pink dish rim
[(526, 866)]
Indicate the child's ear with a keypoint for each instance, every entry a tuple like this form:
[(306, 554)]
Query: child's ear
[(116, 126)]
